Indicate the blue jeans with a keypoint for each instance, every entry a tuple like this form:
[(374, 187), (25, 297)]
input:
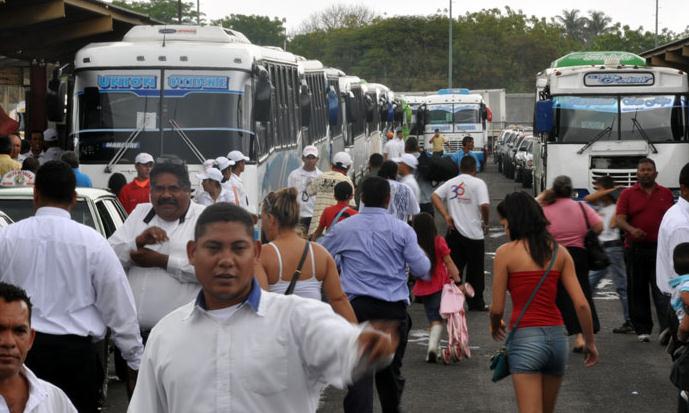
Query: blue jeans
[(538, 350), (618, 274)]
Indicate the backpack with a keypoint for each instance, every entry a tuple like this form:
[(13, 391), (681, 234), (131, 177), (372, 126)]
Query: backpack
[(436, 168)]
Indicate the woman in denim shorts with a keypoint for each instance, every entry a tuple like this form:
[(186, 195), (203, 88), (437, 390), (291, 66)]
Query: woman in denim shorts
[(537, 354)]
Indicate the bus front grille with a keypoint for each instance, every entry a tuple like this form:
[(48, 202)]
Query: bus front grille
[(622, 177)]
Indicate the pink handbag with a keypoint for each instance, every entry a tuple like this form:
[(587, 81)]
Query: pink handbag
[(452, 308)]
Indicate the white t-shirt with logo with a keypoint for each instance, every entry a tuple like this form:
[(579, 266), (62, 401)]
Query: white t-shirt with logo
[(394, 148), (463, 196), (301, 179)]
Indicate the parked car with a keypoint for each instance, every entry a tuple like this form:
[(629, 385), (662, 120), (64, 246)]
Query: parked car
[(97, 208), (499, 142), (5, 220), (508, 161), (527, 173), (520, 158), (505, 147)]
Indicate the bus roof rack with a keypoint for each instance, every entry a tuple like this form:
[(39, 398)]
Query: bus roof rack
[(611, 58), (457, 91)]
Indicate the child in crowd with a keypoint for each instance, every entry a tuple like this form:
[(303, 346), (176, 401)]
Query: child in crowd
[(336, 213), (442, 269), (680, 288)]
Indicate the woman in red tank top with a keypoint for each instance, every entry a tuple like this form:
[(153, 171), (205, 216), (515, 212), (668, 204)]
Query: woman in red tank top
[(537, 353)]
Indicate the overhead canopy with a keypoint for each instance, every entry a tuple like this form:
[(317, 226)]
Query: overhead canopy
[(53, 30), (674, 54)]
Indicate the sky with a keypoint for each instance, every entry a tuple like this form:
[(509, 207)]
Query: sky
[(672, 13)]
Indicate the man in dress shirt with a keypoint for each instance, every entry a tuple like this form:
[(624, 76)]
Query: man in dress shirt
[(78, 288), (236, 348), (151, 245), (20, 389), (374, 249)]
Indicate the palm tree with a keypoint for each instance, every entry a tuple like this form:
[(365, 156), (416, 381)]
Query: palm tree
[(573, 24), (598, 23)]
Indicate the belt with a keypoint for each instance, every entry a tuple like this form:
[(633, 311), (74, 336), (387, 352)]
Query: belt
[(613, 243)]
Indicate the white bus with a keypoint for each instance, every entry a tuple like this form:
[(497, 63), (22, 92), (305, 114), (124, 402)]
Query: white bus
[(598, 113), (457, 113), (198, 93)]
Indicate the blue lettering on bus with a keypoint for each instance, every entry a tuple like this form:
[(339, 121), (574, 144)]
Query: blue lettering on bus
[(123, 82), (198, 82)]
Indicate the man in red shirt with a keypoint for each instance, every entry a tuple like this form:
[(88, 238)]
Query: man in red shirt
[(339, 211), (138, 191), (640, 210)]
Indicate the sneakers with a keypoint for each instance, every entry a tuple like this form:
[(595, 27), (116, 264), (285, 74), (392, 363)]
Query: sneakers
[(644, 338), (625, 328)]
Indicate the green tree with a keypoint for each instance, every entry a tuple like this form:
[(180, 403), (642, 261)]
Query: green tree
[(573, 24), (163, 10), (597, 24), (338, 16), (259, 29)]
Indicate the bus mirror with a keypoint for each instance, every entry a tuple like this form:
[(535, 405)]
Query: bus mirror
[(305, 105), (543, 115), (55, 99), (262, 95), (333, 107), (370, 109)]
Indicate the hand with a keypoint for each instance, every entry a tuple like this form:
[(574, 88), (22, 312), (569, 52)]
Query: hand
[(131, 381), (147, 258), (450, 223), (379, 342), (591, 357), (484, 227), (500, 333), (152, 235), (637, 233)]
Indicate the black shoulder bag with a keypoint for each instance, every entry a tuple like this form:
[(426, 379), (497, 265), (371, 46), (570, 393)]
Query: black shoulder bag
[(297, 273), (598, 259)]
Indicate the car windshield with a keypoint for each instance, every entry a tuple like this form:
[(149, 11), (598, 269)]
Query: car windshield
[(19, 209)]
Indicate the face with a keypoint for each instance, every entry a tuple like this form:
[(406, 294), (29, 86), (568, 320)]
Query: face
[(36, 142), (309, 162), (16, 146), (646, 174), (207, 185), (224, 258), (143, 170), (170, 200), (399, 135), (469, 146), (239, 167), (16, 336), (403, 169)]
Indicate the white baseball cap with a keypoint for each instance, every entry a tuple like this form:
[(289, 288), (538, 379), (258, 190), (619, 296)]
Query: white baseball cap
[(143, 158), (223, 163), (407, 159), (237, 156), (310, 150), (342, 159), (210, 173), (208, 163), (50, 135)]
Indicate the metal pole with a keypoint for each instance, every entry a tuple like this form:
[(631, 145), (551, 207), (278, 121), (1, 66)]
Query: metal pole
[(179, 11), (656, 36), (449, 65), (198, 12)]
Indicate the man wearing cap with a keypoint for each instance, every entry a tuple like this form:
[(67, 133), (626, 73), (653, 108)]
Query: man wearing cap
[(138, 191), (300, 179), (236, 184), (53, 152), (407, 164), (213, 191), (394, 148), (6, 162), (323, 187)]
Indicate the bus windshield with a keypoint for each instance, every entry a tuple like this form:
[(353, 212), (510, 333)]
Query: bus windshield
[(188, 117), (658, 118), (455, 113)]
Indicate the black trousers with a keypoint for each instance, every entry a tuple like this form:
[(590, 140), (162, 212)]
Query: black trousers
[(641, 276), (389, 381), (468, 256), (73, 364), (564, 302)]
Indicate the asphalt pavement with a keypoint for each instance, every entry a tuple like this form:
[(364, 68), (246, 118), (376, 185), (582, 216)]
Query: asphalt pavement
[(630, 377)]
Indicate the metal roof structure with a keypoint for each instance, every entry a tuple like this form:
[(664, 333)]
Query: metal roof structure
[(674, 54)]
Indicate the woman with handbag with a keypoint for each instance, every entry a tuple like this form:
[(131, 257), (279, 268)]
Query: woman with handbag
[(571, 222), (530, 267), (290, 264)]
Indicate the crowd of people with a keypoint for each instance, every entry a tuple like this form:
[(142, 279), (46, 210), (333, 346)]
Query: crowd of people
[(328, 279)]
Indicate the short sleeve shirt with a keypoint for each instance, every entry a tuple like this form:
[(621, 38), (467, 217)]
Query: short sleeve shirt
[(463, 195), (567, 222), (331, 212), (645, 211), (440, 275), (301, 179), (394, 148)]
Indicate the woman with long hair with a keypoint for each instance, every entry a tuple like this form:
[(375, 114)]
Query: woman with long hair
[(568, 225), (537, 353), (281, 256)]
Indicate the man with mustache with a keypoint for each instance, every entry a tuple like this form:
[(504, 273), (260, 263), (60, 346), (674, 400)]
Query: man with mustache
[(151, 244), (20, 389)]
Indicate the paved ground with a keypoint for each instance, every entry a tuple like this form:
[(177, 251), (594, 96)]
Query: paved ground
[(631, 377)]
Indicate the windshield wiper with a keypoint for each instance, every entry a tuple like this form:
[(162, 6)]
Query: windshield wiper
[(643, 133), (595, 139), (187, 141), (120, 152)]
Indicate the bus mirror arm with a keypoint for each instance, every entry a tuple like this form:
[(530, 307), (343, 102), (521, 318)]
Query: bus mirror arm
[(120, 152)]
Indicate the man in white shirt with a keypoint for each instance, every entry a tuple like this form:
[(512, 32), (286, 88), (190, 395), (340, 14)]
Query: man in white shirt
[(394, 148), (406, 166), (674, 230), (20, 389), (53, 152), (236, 348), (301, 178), (323, 187), (464, 204), (403, 203), (78, 288), (151, 245), (236, 184)]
